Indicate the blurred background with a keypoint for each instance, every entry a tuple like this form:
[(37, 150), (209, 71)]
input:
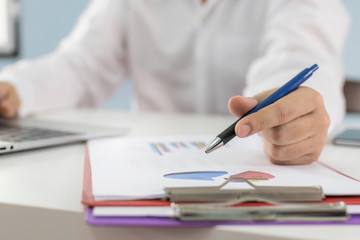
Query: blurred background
[(43, 23)]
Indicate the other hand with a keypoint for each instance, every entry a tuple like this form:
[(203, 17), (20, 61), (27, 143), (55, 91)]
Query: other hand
[(293, 129), (9, 101)]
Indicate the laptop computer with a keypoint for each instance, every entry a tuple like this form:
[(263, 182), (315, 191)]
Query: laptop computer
[(29, 134)]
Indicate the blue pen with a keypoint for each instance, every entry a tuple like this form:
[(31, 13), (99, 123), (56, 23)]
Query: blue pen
[(290, 86)]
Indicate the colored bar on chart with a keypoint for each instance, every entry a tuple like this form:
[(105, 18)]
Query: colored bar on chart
[(199, 145), (155, 148), (162, 146), (175, 145), (170, 147), (179, 145)]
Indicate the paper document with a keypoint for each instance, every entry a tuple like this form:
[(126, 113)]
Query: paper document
[(138, 168)]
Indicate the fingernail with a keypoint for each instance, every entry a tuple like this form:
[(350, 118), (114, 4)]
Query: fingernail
[(244, 130)]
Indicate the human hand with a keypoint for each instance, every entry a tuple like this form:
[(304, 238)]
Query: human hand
[(293, 129), (9, 101)]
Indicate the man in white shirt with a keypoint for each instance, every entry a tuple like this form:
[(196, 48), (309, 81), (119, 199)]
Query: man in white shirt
[(193, 56)]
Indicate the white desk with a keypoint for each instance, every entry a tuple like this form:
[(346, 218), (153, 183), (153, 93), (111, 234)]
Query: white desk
[(40, 190)]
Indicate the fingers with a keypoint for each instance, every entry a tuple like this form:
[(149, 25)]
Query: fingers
[(4, 92), (300, 102), (238, 105), (9, 101), (303, 152), (297, 130), (7, 110), (306, 159)]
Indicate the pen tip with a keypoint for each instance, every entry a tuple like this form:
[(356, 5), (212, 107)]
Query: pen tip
[(215, 144)]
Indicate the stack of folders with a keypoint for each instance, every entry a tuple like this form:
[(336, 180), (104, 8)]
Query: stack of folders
[(170, 181)]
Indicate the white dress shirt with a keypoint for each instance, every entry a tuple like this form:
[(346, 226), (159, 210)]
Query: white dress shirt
[(185, 56)]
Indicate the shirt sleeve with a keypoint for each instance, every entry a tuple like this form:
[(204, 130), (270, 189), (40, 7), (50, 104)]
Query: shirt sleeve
[(85, 69), (298, 34)]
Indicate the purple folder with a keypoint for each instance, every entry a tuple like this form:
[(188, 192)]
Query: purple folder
[(171, 222)]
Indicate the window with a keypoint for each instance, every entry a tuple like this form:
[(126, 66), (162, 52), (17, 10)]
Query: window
[(8, 27)]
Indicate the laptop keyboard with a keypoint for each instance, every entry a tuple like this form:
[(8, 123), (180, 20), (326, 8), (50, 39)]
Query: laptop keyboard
[(24, 134)]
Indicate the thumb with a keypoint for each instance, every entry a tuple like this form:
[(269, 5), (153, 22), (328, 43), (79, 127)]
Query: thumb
[(239, 105)]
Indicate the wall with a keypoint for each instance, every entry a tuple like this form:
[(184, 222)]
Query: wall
[(45, 22), (352, 48)]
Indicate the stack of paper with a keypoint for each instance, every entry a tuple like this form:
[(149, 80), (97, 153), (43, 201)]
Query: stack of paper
[(124, 175)]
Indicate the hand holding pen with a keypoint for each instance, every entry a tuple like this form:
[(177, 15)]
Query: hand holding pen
[(293, 127)]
